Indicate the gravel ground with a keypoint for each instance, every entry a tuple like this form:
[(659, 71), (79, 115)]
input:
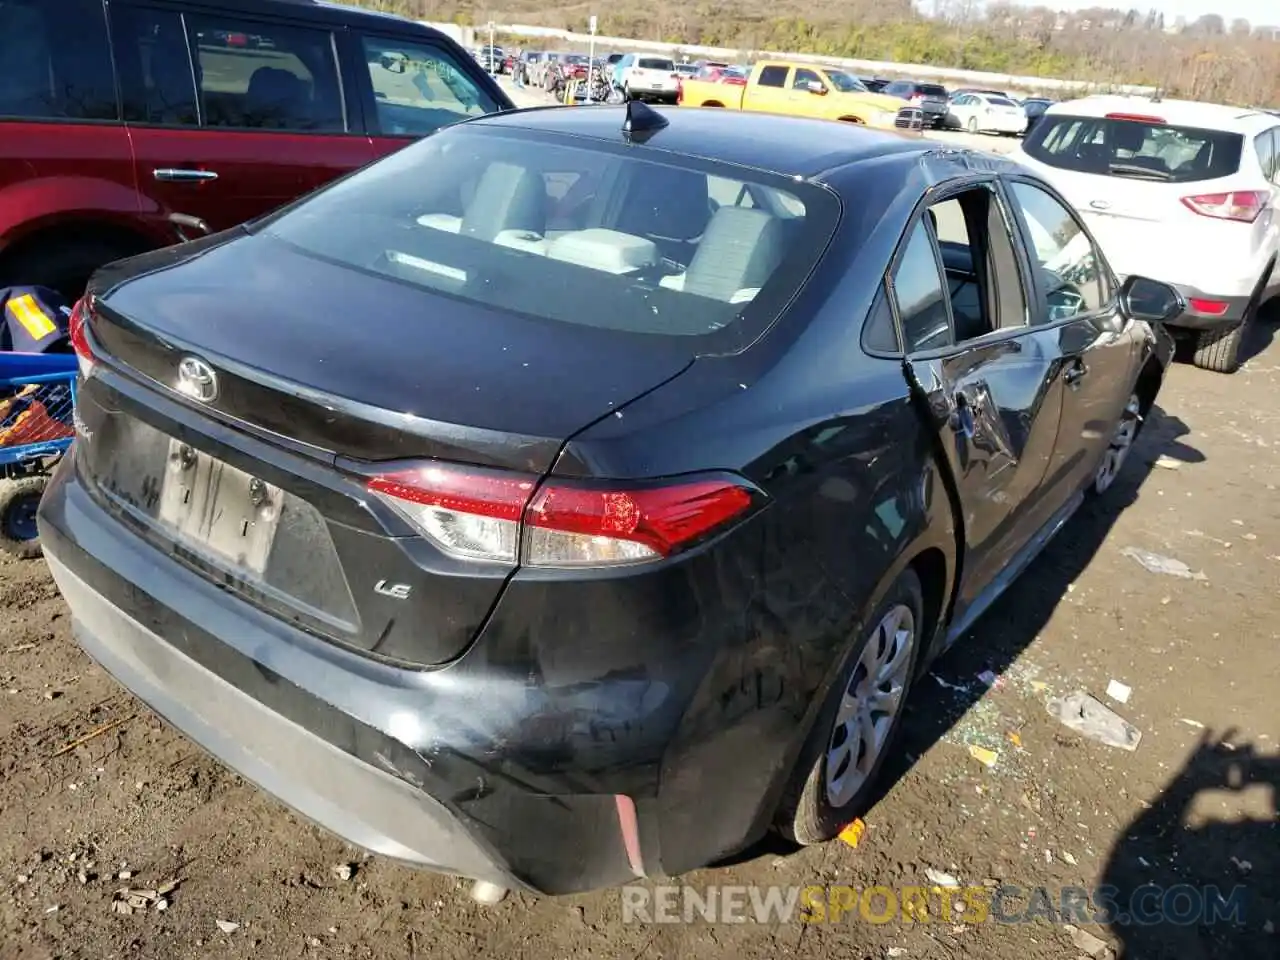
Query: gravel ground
[(1194, 804)]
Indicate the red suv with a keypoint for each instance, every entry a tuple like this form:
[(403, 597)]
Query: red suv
[(131, 125)]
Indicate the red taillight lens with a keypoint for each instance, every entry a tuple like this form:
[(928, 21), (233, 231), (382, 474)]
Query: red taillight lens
[(78, 329), (1214, 308), (480, 515), (917, 98), (1242, 205)]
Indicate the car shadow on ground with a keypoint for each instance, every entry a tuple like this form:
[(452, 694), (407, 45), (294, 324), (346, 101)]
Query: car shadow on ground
[(1182, 884), (1258, 336), (1015, 620)]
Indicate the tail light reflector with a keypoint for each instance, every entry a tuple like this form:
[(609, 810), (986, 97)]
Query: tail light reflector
[(1214, 308), (1242, 205), (481, 515), (78, 329)]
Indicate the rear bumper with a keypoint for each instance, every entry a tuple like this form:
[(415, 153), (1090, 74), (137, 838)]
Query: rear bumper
[(1229, 314), (595, 731), (334, 736)]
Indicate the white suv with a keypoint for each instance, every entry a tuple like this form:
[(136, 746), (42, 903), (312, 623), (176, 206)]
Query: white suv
[(649, 77), (1184, 192)]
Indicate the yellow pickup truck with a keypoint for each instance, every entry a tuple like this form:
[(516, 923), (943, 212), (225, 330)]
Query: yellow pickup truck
[(804, 90)]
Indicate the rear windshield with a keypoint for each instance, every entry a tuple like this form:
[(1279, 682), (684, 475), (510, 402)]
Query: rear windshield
[(1001, 101), (580, 233), (1140, 149), (655, 63), (933, 90), (576, 58)]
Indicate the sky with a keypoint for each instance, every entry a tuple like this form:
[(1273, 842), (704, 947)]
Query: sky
[(1257, 12)]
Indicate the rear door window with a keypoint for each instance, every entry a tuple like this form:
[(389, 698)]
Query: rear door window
[(55, 61), (1137, 148), (773, 77), (266, 76), (419, 88), (154, 61), (921, 294)]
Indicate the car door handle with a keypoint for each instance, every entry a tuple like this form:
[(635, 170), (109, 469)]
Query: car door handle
[(1075, 373), (180, 175)]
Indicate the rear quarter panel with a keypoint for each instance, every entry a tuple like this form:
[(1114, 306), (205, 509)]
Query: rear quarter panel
[(51, 172)]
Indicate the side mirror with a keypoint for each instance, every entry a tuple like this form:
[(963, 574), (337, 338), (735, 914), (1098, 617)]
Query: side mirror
[(1151, 300), (816, 86)]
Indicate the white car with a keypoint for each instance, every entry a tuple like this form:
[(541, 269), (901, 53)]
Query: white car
[(1184, 192), (649, 77), (987, 113)]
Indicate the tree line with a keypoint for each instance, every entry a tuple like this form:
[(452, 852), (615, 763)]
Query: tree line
[(1207, 59)]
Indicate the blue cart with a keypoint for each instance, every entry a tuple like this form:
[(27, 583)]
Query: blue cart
[(37, 402)]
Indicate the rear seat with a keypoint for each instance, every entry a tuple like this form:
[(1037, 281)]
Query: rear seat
[(738, 251)]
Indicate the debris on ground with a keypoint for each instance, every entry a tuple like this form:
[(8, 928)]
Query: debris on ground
[(1119, 692), (226, 926), (92, 734), (1191, 723), (852, 833), (1086, 941), (1069, 859), (895, 952), (344, 871), (991, 680), (988, 758), (1157, 563), (1167, 463), (128, 900), (940, 879), (1091, 718)]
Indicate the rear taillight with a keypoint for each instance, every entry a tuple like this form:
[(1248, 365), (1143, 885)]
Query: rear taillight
[(916, 98), (1214, 308), (489, 515), (78, 329), (1242, 205)]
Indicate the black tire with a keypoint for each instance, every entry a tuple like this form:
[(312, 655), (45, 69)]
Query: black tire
[(18, 501), (805, 813), (64, 267), (1219, 349)]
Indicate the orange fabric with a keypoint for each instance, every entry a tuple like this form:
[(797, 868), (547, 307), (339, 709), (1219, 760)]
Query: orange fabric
[(32, 425)]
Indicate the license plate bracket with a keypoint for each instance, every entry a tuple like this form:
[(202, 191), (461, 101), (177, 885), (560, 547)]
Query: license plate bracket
[(217, 509)]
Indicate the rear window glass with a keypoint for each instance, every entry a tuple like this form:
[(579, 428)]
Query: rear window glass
[(587, 235), (1001, 101), (933, 90), (655, 63), (1139, 149)]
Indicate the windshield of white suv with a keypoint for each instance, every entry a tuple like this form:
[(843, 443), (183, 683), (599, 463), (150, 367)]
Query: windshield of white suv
[(1140, 148)]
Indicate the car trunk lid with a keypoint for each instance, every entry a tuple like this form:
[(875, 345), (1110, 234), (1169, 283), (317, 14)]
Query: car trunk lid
[(261, 484)]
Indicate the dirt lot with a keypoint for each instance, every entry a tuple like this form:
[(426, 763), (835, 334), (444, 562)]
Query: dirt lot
[(1197, 802)]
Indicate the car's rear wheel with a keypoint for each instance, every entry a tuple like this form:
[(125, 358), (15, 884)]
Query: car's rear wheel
[(1219, 349), (65, 267), (19, 538), (860, 721), (1122, 441)]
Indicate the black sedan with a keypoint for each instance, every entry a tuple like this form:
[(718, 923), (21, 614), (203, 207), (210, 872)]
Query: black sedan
[(575, 495)]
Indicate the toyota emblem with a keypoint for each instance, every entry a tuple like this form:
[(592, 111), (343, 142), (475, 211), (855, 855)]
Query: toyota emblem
[(197, 380)]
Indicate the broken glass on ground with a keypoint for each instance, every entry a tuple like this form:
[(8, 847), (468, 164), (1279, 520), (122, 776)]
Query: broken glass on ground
[(1091, 718)]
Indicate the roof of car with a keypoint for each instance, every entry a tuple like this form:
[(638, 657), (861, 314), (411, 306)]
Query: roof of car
[(791, 146), (1189, 113)]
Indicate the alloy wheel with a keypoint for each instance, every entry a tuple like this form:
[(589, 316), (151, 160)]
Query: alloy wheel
[(1121, 443), (870, 705)]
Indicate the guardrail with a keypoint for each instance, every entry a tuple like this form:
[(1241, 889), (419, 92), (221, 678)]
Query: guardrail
[(470, 35)]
